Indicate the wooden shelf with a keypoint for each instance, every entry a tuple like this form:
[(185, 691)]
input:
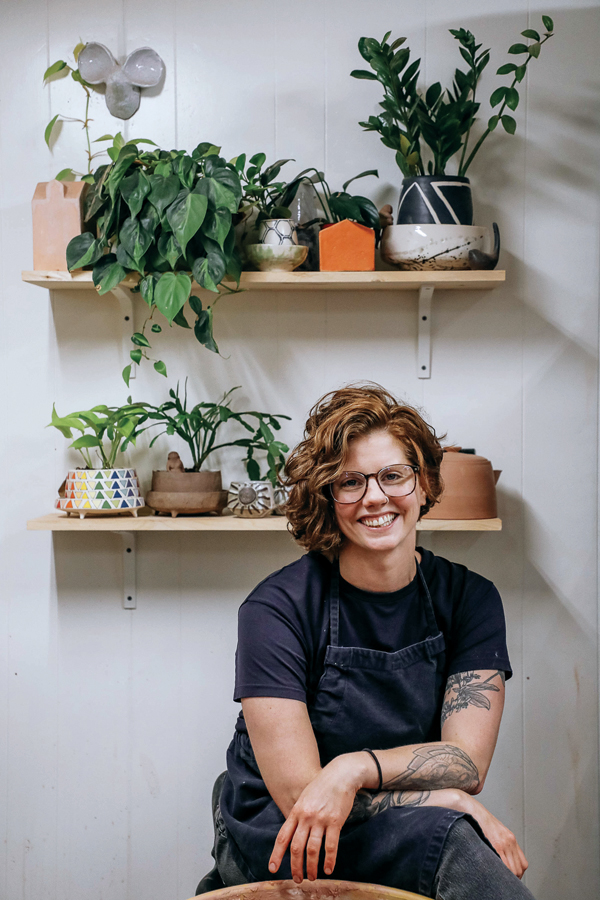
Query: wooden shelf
[(308, 281), (145, 522)]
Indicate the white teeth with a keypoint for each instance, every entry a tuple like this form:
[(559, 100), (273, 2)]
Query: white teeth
[(378, 523)]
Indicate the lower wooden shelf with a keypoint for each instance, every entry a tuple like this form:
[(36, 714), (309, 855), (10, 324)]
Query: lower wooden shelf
[(146, 522)]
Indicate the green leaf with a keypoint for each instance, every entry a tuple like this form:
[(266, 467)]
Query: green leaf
[(509, 124), (89, 179), (362, 175), (156, 328), (203, 330), (135, 237), (54, 68), (147, 285), (126, 373), (205, 149), (258, 160), (218, 195), (179, 319), (160, 367), (520, 72), (49, 128), (534, 49), (77, 50), (186, 216), (498, 95), (114, 275), (506, 69), (66, 175), (512, 98), (102, 266), (548, 23), (136, 356), (105, 137), (125, 158), (518, 48), (531, 33), (217, 224), (163, 191), (134, 189), (86, 440), (169, 248), (202, 275), (362, 73), (493, 122), (139, 339), (83, 250), (196, 303), (171, 292)]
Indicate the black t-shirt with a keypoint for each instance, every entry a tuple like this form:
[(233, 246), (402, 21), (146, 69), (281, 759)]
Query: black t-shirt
[(283, 626)]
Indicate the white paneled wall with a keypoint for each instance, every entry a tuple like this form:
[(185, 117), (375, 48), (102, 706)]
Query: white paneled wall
[(117, 721)]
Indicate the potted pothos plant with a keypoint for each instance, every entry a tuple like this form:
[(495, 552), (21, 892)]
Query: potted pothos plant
[(105, 431), (181, 489), (430, 129), (167, 218)]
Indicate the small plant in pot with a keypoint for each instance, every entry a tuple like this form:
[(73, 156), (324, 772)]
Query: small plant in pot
[(191, 490), (429, 130), (105, 431), (270, 239)]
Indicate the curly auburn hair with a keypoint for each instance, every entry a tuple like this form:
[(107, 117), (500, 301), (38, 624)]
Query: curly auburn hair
[(333, 422)]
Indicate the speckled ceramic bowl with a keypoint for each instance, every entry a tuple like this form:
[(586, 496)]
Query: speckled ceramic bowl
[(273, 258), (433, 247)]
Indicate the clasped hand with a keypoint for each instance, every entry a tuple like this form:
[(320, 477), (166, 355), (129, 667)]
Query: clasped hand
[(316, 817)]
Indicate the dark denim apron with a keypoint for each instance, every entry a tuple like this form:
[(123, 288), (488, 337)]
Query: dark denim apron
[(365, 698)]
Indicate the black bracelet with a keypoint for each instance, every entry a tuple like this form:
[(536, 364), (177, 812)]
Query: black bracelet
[(370, 752)]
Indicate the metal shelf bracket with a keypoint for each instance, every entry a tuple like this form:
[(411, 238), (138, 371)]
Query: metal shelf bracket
[(123, 295), (424, 331), (129, 565)]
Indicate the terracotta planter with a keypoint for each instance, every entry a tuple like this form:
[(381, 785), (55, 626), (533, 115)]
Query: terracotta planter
[(469, 487), (57, 208), (192, 493), (346, 247)]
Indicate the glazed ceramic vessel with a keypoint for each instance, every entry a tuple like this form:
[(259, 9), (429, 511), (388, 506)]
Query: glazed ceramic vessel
[(278, 232), (274, 258), (320, 889), (100, 492), (191, 493), (251, 499), (433, 247), (435, 200), (469, 487)]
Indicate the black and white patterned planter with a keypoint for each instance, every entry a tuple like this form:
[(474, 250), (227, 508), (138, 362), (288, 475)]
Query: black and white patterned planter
[(436, 200)]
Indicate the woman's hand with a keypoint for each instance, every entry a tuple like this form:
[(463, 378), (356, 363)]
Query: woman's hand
[(500, 837), (318, 815)]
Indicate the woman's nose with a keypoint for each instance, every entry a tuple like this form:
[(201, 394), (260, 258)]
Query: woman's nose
[(374, 495)]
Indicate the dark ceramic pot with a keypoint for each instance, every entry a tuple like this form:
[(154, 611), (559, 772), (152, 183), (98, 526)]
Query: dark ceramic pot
[(435, 199)]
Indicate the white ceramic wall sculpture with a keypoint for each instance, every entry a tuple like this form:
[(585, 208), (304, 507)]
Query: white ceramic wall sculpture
[(142, 68)]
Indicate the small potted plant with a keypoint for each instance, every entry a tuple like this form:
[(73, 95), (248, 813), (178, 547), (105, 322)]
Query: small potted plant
[(270, 240), (106, 431), (433, 129), (193, 490), (166, 217)]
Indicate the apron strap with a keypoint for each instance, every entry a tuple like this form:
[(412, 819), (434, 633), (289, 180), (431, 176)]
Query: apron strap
[(334, 604)]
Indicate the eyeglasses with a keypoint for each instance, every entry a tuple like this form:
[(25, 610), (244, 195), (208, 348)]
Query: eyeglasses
[(394, 481)]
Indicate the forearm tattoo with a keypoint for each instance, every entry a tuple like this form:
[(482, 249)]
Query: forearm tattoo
[(436, 766), (467, 689), (368, 803)]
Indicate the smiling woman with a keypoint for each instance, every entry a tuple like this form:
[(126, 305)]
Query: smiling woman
[(359, 749)]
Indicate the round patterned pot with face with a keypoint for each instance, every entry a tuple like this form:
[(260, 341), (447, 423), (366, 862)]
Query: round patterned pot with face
[(251, 499)]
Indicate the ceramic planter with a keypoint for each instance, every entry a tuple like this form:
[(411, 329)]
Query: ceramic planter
[(276, 258), (100, 492), (251, 499), (435, 200), (433, 247), (281, 498), (195, 493), (469, 487), (57, 208), (277, 232), (346, 247)]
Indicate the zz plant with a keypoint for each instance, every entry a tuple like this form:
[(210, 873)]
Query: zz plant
[(166, 216), (441, 119)]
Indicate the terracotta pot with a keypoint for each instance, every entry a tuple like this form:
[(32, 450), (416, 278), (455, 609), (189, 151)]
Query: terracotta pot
[(57, 208), (321, 889), (192, 493), (346, 247), (469, 487)]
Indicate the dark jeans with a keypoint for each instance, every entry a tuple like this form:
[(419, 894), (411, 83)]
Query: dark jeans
[(468, 870)]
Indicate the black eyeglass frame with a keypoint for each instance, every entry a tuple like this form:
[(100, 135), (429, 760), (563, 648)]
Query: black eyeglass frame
[(416, 470)]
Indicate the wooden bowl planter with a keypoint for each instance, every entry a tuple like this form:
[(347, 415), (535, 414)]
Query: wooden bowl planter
[(57, 208), (191, 493), (346, 247), (93, 492)]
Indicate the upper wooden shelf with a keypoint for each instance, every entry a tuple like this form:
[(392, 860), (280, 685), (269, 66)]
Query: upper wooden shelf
[(310, 281), (144, 522)]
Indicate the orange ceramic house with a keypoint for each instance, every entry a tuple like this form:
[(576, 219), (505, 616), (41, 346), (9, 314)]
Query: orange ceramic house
[(57, 217), (347, 247)]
